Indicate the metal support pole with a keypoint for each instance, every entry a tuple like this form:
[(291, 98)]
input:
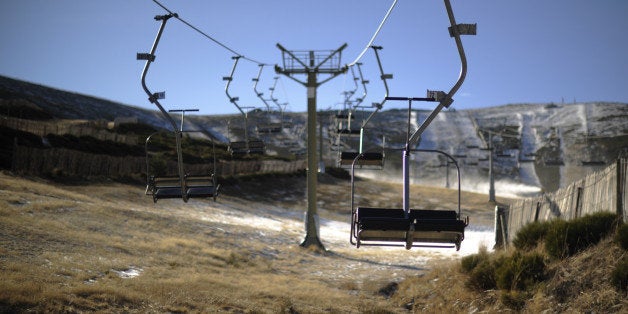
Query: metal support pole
[(321, 162), (311, 222), (447, 174), (312, 69), (491, 176)]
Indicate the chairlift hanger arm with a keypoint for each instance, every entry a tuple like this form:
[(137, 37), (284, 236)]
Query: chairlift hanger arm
[(455, 31), (256, 80), (378, 106), (272, 92), (150, 57), (383, 76), (350, 93), (363, 82), (233, 100)]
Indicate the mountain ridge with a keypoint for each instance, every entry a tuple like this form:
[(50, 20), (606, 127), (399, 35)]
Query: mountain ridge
[(542, 145)]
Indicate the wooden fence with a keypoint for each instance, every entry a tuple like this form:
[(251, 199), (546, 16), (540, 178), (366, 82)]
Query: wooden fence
[(29, 160), (601, 191), (87, 128)]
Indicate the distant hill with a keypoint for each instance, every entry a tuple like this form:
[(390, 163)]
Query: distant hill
[(541, 145)]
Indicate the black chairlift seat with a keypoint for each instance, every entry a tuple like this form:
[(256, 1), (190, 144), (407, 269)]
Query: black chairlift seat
[(269, 128), (344, 116), (367, 160), (238, 148), (421, 228), (348, 132), (165, 187), (202, 186), (257, 147), (241, 148)]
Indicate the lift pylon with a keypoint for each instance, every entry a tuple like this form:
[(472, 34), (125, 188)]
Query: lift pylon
[(311, 63)]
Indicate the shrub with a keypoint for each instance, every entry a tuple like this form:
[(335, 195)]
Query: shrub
[(469, 262), (556, 239), (520, 271), (568, 238), (597, 227), (619, 276), (530, 235), (482, 277), (514, 300), (622, 236)]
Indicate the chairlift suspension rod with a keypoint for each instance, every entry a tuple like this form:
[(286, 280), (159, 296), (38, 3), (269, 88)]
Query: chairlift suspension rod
[(256, 80), (363, 82), (448, 99), (378, 106), (234, 100), (272, 92)]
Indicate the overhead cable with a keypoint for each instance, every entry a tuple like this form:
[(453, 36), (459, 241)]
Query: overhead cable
[(206, 35), (368, 45), (381, 24)]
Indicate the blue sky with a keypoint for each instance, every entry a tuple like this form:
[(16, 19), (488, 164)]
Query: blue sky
[(525, 51)]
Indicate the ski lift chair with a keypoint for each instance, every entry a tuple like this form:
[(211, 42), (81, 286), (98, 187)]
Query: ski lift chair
[(169, 186), (367, 160), (413, 228), (268, 128), (199, 186), (257, 147), (248, 146), (238, 148), (183, 185), (406, 226), (371, 160)]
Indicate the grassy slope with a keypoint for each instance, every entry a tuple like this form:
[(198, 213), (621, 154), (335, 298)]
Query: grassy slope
[(68, 247)]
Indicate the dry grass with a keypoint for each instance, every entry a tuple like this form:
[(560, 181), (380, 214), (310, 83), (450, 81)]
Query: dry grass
[(70, 248), (105, 247)]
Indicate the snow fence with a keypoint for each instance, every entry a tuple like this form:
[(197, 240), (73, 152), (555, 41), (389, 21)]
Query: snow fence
[(601, 191)]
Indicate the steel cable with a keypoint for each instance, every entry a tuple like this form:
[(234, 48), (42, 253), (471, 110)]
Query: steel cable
[(381, 24), (206, 35)]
